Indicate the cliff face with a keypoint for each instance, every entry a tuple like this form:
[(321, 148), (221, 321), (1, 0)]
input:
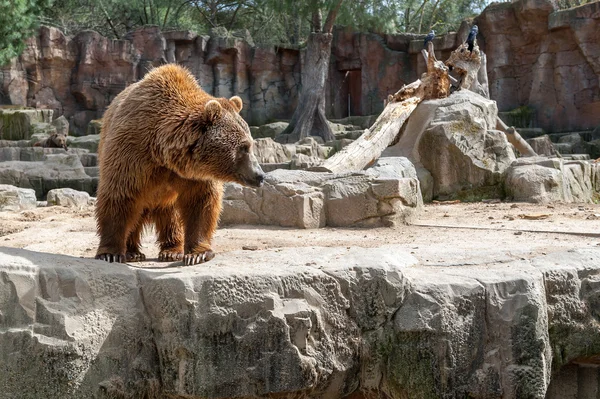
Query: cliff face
[(537, 56), (547, 59)]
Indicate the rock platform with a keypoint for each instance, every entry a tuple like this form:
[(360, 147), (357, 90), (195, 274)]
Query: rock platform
[(314, 322)]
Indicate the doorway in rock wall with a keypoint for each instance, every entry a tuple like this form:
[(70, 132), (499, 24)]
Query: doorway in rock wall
[(351, 93)]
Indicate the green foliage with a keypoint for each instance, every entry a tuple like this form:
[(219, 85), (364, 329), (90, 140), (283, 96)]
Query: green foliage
[(268, 21), (18, 21)]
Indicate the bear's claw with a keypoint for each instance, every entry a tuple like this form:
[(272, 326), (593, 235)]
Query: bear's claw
[(111, 258), (197, 258), (135, 257), (169, 256)]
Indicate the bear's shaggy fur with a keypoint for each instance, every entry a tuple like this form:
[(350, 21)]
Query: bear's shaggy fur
[(166, 147)]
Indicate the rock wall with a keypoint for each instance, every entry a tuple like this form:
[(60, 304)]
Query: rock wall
[(318, 323), (547, 59), (537, 56)]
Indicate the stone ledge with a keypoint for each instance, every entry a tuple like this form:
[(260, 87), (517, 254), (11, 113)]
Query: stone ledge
[(318, 322)]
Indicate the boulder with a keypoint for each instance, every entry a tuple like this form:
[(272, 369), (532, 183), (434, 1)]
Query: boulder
[(313, 147), (94, 127), (546, 180), (269, 130), (61, 124), (17, 124), (542, 145), (67, 197), (302, 161), (268, 151), (54, 171), (296, 322), (89, 142), (16, 199), (454, 140), (384, 195), (573, 144)]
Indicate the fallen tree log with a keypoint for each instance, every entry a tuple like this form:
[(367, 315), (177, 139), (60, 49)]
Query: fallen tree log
[(367, 148), (515, 139)]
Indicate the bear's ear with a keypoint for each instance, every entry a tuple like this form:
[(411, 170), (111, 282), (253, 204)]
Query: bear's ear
[(237, 103), (213, 110)]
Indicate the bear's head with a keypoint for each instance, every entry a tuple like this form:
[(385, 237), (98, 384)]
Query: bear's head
[(59, 140), (225, 145)]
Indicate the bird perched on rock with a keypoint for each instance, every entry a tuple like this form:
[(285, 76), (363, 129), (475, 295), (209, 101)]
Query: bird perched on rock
[(428, 38), (472, 36)]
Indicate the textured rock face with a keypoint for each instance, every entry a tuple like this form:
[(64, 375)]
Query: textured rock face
[(16, 199), (536, 56), (540, 57), (452, 138), (546, 180), (367, 321), (384, 195), (67, 197), (52, 171)]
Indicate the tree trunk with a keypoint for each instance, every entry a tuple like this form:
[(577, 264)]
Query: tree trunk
[(309, 117)]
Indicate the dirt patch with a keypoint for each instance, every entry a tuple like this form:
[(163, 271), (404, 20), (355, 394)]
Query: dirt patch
[(443, 235)]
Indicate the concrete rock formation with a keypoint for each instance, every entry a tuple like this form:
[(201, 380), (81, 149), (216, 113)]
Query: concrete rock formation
[(16, 199), (384, 195), (67, 197), (453, 139), (547, 180), (366, 322), (58, 170), (539, 57), (536, 56)]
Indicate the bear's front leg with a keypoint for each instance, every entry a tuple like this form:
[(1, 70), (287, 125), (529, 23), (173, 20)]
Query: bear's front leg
[(116, 220), (200, 208)]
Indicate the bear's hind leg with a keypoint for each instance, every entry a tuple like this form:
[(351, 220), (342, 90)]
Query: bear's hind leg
[(116, 220), (134, 252), (170, 234), (200, 208)]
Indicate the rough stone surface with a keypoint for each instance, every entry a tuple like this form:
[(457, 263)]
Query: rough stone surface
[(386, 194), (536, 56), (19, 124), (67, 197), (268, 151), (363, 321), (16, 199), (540, 57), (88, 142), (546, 180), (62, 125), (542, 145), (269, 130), (453, 140), (54, 171)]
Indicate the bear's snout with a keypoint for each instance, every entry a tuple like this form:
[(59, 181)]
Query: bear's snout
[(260, 179)]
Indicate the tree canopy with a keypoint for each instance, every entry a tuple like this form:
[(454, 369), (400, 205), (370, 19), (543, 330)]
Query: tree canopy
[(18, 21), (269, 21)]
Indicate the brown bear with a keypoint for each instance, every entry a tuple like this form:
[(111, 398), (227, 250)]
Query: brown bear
[(166, 147), (56, 140)]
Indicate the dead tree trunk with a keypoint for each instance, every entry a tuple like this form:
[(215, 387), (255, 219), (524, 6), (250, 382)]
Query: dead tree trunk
[(515, 139), (368, 147), (309, 118)]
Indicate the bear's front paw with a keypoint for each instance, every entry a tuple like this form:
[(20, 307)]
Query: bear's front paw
[(170, 255), (135, 256), (196, 258), (116, 258)]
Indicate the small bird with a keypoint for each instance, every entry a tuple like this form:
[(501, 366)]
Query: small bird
[(472, 36), (428, 38)]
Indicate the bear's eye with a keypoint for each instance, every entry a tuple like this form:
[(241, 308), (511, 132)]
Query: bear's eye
[(245, 149)]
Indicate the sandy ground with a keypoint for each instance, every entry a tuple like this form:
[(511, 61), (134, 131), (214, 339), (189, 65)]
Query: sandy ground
[(443, 235)]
